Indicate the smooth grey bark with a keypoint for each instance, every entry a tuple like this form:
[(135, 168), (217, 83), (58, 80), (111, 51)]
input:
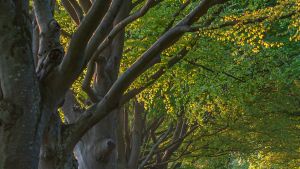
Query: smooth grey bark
[(110, 101), (49, 55), (85, 4), (50, 52), (120, 142), (136, 142), (77, 9), (20, 102), (71, 11), (73, 62), (97, 149)]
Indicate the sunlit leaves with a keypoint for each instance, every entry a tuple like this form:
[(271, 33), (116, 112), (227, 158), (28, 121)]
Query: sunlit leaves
[(240, 83)]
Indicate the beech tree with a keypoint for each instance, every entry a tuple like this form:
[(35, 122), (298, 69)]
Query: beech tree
[(29, 120), (38, 71)]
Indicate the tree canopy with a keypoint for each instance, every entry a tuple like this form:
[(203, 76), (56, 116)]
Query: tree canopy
[(239, 80), (181, 84), (235, 75)]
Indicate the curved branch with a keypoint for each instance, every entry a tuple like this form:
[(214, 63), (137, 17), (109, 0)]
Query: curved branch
[(112, 98), (77, 9), (91, 53), (181, 54), (50, 51), (155, 146), (214, 71), (71, 11), (132, 93), (85, 5), (87, 82), (72, 64)]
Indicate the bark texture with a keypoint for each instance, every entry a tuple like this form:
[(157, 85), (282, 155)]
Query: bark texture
[(97, 148), (20, 101), (36, 76)]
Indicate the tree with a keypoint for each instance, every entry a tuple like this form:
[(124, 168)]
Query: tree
[(37, 73)]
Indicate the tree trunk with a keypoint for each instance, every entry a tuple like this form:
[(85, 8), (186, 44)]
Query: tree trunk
[(31, 134), (20, 112), (97, 149), (136, 140)]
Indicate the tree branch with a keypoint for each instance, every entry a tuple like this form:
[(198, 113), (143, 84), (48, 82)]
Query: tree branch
[(177, 13), (72, 64), (87, 82), (111, 99), (102, 30), (164, 163), (154, 147), (50, 51), (77, 9), (85, 5), (213, 71), (71, 11), (180, 139), (181, 54), (132, 93), (92, 54), (136, 136), (179, 133)]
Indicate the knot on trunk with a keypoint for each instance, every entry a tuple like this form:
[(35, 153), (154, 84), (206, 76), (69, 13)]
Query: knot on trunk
[(47, 63), (104, 150), (51, 51)]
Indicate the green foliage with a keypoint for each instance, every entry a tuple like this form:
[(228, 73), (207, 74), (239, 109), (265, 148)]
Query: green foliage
[(245, 77), (240, 83)]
